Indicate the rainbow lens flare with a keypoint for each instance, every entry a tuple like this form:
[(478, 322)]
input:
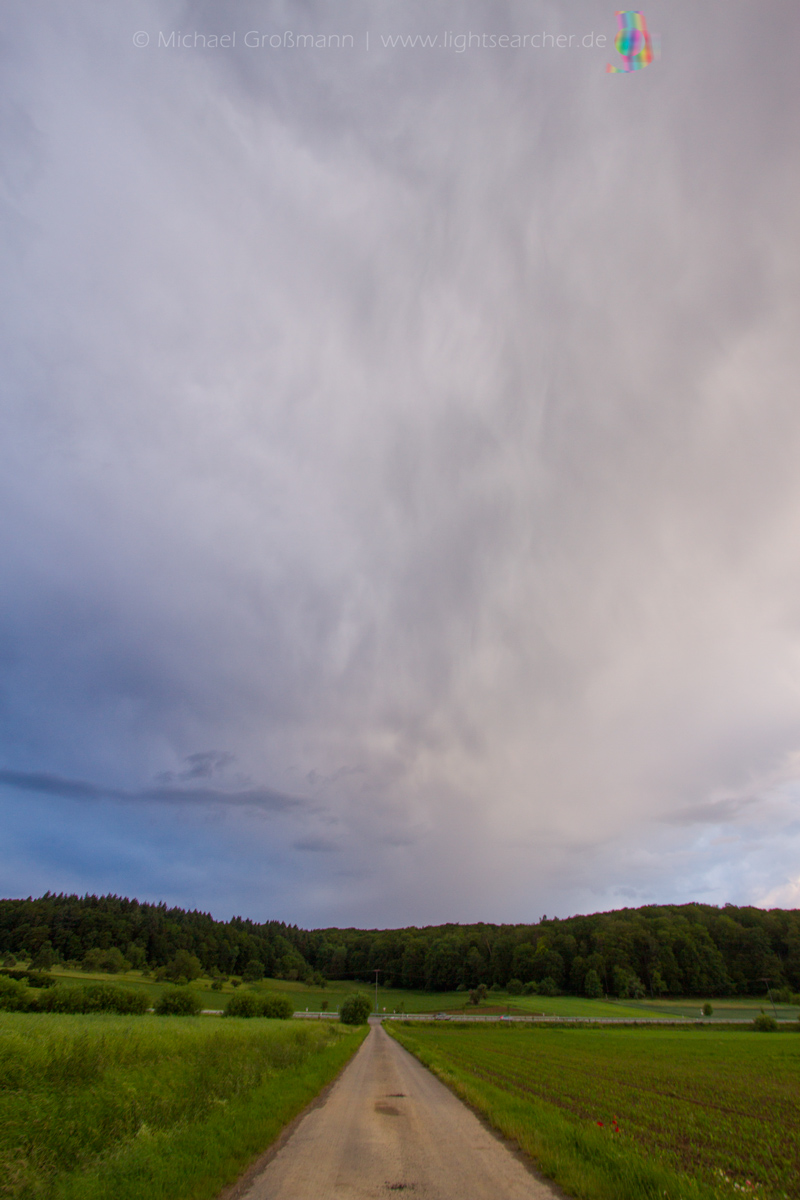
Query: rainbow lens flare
[(633, 42)]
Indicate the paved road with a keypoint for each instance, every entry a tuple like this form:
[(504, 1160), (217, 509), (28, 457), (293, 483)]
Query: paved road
[(388, 1126)]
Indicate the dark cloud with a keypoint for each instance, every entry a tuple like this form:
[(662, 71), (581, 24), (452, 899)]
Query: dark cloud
[(315, 845), (74, 789)]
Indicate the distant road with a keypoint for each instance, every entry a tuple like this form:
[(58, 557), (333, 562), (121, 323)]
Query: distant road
[(388, 1126)]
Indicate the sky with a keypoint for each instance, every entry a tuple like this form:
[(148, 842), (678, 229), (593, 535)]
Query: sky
[(399, 505)]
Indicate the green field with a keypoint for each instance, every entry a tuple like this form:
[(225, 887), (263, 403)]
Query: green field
[(397, 1000), (701, 1112), (734, 1008), (390, 1000), (150, 1108)]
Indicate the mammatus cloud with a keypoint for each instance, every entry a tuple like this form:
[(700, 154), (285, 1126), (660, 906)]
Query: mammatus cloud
[(421, 427)]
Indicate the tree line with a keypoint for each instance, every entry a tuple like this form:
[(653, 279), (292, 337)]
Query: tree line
[(666, 950)]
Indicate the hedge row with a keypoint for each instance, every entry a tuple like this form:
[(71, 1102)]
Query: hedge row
[(97, 997), (253, 1004), (107, 997)]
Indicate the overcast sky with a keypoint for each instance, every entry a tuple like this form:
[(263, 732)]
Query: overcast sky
[(400, 503)]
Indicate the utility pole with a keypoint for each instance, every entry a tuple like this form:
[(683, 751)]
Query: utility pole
[(769, 993), (377, 972)]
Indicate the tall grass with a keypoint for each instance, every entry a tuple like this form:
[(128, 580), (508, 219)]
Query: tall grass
[(99, 1107)]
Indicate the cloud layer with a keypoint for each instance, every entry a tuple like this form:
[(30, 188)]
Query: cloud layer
[(400, 504)]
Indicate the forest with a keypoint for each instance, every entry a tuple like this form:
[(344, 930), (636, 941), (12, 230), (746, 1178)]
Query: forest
[(667, 950)]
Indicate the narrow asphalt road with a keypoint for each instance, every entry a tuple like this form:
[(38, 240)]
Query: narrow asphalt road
[(389, 1126)]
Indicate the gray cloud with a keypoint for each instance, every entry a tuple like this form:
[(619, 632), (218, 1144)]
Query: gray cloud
[(427, 412), (315, 845), (75, 789)]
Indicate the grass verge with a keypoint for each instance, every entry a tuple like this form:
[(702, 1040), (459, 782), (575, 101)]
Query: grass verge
[(99, 1107), (700, 1114)]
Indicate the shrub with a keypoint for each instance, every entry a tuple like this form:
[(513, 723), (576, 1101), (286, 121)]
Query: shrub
[(515, 987), (14, 996), (243, 1004), (216, 986), (531, 988), (707, 1009), (9, 961), (276, 1006), (39, 979), (34, 978), (251, 1004), (355, 1009), (178, 1002), (764, 1023), (97, 997), (548, 987)]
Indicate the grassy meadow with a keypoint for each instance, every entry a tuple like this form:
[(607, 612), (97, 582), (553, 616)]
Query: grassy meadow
[(633, 1113), (397, 1000), (150, 1108)]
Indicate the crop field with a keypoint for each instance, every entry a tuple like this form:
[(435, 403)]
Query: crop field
[(624, 1114), (150, 1108)]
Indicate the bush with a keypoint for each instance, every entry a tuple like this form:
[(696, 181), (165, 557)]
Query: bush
[(515, 987), (14, 996), (19, 974), (251, 1004), (243, 1004), (707, 1009), (277, 1007), (531, 988), (97, 997), (38, 979), (34, 978), (764, 1023), (178, 1002), (355, 1009), (548, 987)]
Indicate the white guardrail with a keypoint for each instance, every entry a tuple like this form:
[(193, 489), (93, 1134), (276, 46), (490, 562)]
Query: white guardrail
[(542, 1018)]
